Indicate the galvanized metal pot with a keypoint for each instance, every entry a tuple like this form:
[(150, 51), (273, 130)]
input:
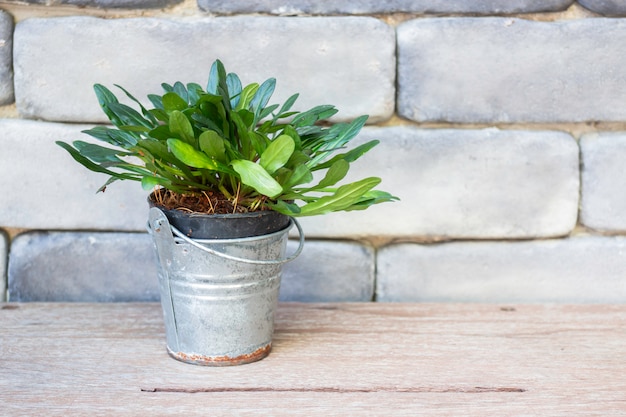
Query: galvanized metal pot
[(219, 295)]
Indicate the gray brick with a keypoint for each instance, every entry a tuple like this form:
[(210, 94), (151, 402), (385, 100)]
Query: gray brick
[(605, 7), (6, 58), (603, 201), (108, 4), (306, 55), (94, 267), (44, 188), (577, 270), (329, 272), (511, 70), (4, 253), (455, 183), (300, 7)]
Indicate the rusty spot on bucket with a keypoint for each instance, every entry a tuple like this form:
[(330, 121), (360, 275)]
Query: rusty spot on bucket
[(222, 360)]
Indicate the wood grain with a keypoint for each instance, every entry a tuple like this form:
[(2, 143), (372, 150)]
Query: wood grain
[(328, 359)]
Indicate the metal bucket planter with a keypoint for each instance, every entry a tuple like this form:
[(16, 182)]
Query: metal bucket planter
[(219, 295)]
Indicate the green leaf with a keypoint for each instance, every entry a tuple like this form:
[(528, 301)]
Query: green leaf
[(255, 176), (172, 101), (98, 153), (262, 97), (190, 156), (277, 153), (246, 117), (144, 111), (91, 165), (106, 184), (311, 116), (156, 101), (99, 132), (206, 122), (212, 144), (240, 132), (247, 94), (335, 138), (106, 97), (349, 156), (181, 126), (219, 75), (209, 98), (370, 198), (290, 209), (217, 72), (264, 93), (344, 197), (234, 88), (300, 175), (128, 116), (267, 111), (112, 136), (298, 158), (160, 115), (156, 149), (194, 91), (148, 182), (289, 130), (179, 88), (286, 107), (351, 129), (335, 173), (125, 139), (137, 129), (162, 133), (259, 142)]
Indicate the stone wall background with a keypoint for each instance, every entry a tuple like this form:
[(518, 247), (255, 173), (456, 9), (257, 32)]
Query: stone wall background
[(502, 128)]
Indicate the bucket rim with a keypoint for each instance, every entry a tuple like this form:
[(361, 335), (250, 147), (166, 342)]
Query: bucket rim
[(159, 219)]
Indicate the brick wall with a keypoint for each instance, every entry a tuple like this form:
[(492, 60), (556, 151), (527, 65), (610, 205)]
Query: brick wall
[(502, 127)]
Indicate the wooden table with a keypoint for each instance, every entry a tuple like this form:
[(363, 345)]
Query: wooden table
[(328, 360)]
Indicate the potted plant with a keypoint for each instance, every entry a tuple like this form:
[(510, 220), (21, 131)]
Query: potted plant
[(228, 174)]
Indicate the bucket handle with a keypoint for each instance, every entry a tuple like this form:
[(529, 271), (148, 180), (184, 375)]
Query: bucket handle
[(290, 258)]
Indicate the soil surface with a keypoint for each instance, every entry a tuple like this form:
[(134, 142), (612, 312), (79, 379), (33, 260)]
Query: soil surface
[(208, 202)]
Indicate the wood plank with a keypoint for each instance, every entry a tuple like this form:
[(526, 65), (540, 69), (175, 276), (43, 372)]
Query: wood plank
[(337, 359)]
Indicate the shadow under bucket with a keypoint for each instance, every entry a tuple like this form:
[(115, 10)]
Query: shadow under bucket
[(219, 296)]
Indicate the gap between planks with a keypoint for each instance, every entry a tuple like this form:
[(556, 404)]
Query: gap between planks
[(461, 390)]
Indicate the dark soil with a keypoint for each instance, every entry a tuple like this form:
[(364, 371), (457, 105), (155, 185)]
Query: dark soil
[(208, 202)]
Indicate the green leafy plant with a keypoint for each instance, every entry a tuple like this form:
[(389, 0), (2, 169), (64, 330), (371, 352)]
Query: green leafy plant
[(229, 141)]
